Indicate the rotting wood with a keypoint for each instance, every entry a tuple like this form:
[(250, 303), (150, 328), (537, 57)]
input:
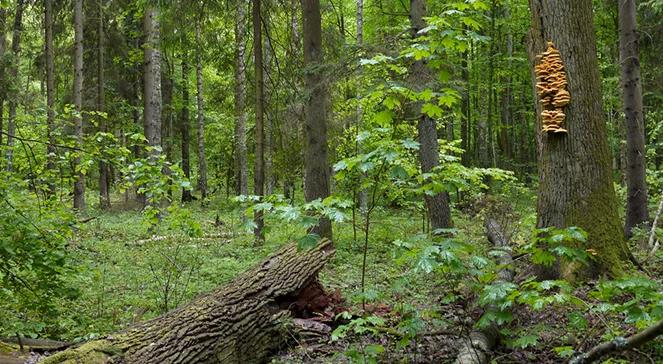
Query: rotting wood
[(241, 322)]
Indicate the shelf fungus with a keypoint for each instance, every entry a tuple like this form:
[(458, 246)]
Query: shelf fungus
[(551, 87)]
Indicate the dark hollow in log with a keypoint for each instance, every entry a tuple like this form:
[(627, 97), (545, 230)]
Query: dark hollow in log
[(241, 322)]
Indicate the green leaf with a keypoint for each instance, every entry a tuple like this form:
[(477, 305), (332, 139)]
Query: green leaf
[(526, 341), (308, 241)]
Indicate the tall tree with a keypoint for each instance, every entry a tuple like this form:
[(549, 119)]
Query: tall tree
[(50, 91), (152, 80), (429, 154), (259, 164), (636, 195), (184, 126), (575, 175), (3, 78), (104, 176), (316, 163), (202, 160), (79, 179), (242, 169), (13, 74)]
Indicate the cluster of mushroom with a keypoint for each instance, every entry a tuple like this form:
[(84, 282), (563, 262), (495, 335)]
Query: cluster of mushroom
[(551, 88)]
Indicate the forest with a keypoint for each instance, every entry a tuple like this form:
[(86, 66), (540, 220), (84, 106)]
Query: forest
[(331, 181)]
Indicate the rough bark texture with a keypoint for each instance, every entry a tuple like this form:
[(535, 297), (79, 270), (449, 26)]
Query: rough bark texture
[(316, 163), (104, 197), (629, 59), (429, 153), (79, 182), (259, 163), (241, 322), (202, 159), (3, 78), (242, 168), (13, 74), (152, 83), (184, 128), (575, 176), (50, 93)]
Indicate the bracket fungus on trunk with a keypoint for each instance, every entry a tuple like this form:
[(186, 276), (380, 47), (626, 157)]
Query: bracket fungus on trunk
[(551, 88)]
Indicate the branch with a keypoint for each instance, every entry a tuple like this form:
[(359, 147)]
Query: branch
[(620, 344)]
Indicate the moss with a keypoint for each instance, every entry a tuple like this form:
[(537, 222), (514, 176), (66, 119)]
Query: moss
[(93, 352)]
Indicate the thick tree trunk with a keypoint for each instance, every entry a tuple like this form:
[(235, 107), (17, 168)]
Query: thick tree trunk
[(575, 176), (429, 154), (50, 94), (241, 322), (79, 181), (202, 159), (104, 178), (242, 168), (152, 84), (259, 163), (636, 196), (184, 127), (316, 163), (13, 74)]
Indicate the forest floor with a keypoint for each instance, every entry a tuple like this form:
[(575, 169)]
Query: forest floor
[(127, 275)]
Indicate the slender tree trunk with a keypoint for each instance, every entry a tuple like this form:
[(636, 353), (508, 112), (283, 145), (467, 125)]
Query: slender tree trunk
[(152, 85), (316, 163), (202, 160), (466, 111), (362, 196), (269, 114), (3, 78), (104, 177), (506, 117), (13, 101), (575, 176), (50, 95), (79, 182), (438, 204), (636, 197), (259, 164), (184, 126), (242, 169)]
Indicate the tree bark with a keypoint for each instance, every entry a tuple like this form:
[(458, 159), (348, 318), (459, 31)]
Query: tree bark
[(259, 164), (629, 59), (202, 159), (316, 163), (429, 153), (152, 84), (104, 178), (575, 176), (184, 127), (242, 169), (50, 94), (241, 322), (13, 74), (79, 181), (3, 78), (465, 110)]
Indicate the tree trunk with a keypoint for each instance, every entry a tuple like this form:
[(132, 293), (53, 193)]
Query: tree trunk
[(152, 85), (242, 169), (575, 177), (429, 154), (13, 101), (3, 78), (79, 182), (202, 159), (316, 163), (259, 164), (466, 111), (50, 95), (104, 178), (269, 114), (241, 322), (184, 127), (636, 196)]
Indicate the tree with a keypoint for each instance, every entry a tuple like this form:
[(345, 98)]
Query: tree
[(79, 178), (152, 81), (13, 74), (242, 169), (316, 163), (202, 162), (429, 154), (3, 78), (575, 176), (184, 126), (259, 164), (629, 60), (50, 91), (104, 197)]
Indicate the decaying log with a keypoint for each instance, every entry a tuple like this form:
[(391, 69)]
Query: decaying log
[(474, 348), (241, 322)]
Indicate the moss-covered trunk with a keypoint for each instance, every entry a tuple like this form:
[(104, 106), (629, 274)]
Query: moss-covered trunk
[(575, 176), (241, 322)]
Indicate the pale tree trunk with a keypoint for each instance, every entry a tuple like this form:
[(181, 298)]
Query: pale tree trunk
[(636, 196), (184, 127), (104, 177), (259, 163), (506, 118), (3, 78), (465, 110), (575, 176), (438, 205), (202, 160), (316, 163), (152, 84), (13, 74), (79, 182), (50, 94), (242, 168)]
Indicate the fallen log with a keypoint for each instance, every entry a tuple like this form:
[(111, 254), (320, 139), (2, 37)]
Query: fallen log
[(241, 322), (475, 348)]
